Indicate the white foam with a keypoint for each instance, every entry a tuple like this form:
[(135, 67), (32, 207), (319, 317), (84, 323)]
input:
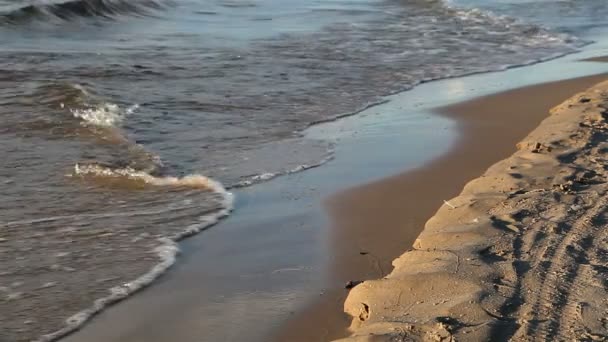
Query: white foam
[(541, 35), (132, 109), (192, 181), (104, 115), (266, 176), (167, 252)]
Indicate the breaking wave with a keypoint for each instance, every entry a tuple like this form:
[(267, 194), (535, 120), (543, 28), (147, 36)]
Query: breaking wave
[(135, 168), (88, 107), (167, 250), (138, 177), (104, 114), (74, 9), (72, 109)]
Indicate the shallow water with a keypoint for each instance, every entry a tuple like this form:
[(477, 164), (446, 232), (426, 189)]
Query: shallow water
[(217, 82), (249, 274), (107, 104)]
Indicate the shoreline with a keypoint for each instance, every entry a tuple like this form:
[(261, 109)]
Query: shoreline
[(509, 244), (189, 290), (600, 59), (398, 218)]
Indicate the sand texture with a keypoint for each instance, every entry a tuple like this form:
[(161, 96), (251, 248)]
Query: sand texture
[(374, 223), (520, 254)]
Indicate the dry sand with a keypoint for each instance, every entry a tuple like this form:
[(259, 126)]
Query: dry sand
[(520, 254), (375, 223)]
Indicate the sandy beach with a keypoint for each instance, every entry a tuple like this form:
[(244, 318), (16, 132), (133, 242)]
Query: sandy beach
[(229, 170), (520, 253), (398, 207)]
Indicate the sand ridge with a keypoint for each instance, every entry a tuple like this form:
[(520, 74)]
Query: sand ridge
[(520, 254)]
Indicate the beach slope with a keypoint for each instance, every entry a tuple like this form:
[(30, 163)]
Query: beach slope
[(521, 253)]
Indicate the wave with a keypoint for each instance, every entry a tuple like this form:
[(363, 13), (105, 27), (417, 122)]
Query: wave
[(521, 31), (167, 250), (74, 9), (135, 168), (266, 176), (130, 176), (71, 110), (104, 114), (85, 105), (61, 94)]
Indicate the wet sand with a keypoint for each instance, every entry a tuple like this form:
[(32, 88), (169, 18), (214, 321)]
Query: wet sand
[(375, 223), (602, 59)]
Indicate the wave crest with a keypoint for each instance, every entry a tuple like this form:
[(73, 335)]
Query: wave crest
[(138, 177), (82, 103), (74, 9), (103, 114)]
